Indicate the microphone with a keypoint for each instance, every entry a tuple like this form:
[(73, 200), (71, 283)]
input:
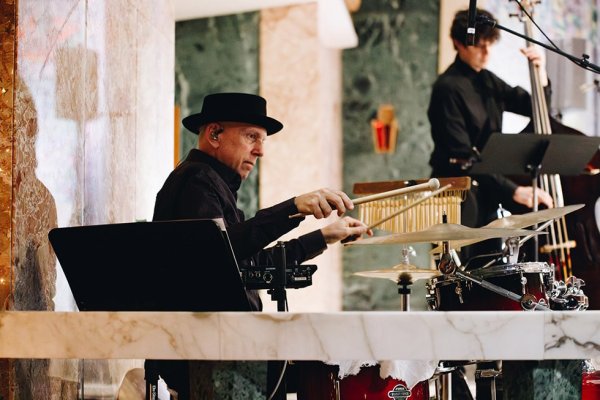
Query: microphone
[(471, 24)]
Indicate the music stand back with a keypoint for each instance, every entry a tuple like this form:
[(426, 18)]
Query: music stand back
[(151, 266)]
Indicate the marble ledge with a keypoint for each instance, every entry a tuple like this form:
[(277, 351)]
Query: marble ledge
[(508, 335)]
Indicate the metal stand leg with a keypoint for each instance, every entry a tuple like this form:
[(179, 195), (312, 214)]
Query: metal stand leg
[(486, 379), (443, 387), (151, 378)]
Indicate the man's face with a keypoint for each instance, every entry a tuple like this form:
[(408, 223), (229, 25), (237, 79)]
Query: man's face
[(476, 56), (240, 146)]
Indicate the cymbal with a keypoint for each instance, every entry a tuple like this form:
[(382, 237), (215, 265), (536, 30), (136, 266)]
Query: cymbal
[(394, 273), (518, 222), (532, 218), (445, 232)]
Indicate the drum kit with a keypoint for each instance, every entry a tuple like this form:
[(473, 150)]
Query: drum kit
[(502, 284), (510, 285)]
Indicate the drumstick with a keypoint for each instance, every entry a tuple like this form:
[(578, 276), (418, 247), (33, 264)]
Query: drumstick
[(409, 206), (431, 184)]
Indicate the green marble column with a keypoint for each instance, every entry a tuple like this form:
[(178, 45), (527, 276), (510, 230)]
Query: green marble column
[(395, 62), (542, 380), (212, 55)]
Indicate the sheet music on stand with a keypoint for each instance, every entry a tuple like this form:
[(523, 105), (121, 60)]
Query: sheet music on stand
[(186, 265)]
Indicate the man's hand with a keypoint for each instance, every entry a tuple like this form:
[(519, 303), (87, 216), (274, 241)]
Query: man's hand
[(524, 195), (322, 202), (346, 229)]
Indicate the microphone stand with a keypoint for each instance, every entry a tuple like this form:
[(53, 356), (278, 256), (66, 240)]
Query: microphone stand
[(276, 380), (583, 62)]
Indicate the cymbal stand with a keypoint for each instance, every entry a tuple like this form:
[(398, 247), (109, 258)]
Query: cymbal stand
[(511, 251), (404, 281)]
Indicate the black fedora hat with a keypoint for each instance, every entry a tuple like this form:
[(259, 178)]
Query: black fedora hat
[(235, 107)]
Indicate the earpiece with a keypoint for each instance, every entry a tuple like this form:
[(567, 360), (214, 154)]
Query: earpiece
[(214, 134)]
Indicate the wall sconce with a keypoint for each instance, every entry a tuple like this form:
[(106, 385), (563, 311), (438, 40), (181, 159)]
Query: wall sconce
[(384, 129)]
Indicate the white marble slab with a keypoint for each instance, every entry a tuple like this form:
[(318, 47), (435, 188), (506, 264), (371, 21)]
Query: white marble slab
[(508, 335), (571, 335)]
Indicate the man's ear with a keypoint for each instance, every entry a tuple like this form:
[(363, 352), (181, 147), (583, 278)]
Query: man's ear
[(213, 131), (457, 44)]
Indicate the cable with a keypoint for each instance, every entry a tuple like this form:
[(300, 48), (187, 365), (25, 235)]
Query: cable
[(279, 381), (580, 62)]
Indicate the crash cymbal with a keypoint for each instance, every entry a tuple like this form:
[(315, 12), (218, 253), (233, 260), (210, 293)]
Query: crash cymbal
[(445, 232), (394, 273), (532, 218), (518, 222)]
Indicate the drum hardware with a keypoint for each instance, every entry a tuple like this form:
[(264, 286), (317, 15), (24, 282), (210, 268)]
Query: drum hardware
[(490, 374), (527, 301), (458, 291), (404, 281), (443, 387), (448, 266), (523, 283), (569, 295), (511, 250)]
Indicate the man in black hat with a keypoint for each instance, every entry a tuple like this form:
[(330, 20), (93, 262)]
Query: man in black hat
[(232, 129)]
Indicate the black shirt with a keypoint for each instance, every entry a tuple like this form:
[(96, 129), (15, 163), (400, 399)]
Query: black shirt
[(202, 187), (466, 107)]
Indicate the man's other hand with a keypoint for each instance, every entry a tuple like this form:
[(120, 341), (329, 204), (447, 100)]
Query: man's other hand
[(322, 202)]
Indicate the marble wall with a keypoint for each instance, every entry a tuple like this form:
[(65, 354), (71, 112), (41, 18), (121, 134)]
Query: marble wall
[(93, 118), (7, 65), (212, 55), (395, 62)]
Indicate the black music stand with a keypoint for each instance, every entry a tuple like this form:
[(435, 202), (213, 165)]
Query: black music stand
[(534, 154), (151, 266), (517, 154)]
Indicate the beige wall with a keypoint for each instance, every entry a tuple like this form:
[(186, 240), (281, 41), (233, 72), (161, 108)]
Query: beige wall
[(446, 52), (302, 82), (92, 143)]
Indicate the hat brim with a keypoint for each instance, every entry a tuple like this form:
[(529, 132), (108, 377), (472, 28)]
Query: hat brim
[(195, 121)]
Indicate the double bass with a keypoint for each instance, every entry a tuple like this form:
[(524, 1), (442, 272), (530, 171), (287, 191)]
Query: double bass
[(573, 242)]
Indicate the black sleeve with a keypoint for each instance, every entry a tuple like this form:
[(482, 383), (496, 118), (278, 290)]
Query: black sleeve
[(269, 224)]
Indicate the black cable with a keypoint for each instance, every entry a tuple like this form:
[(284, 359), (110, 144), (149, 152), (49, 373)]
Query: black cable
[(580, 62), (279, 381)]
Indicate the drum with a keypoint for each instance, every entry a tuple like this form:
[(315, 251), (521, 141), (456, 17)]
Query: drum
[(590, 388), (451, 293), (319, 381)]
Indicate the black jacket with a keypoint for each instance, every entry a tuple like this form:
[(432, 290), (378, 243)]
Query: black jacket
[(202, 187)]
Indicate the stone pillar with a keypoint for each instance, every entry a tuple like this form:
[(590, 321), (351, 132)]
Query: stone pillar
[(301, 81)]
